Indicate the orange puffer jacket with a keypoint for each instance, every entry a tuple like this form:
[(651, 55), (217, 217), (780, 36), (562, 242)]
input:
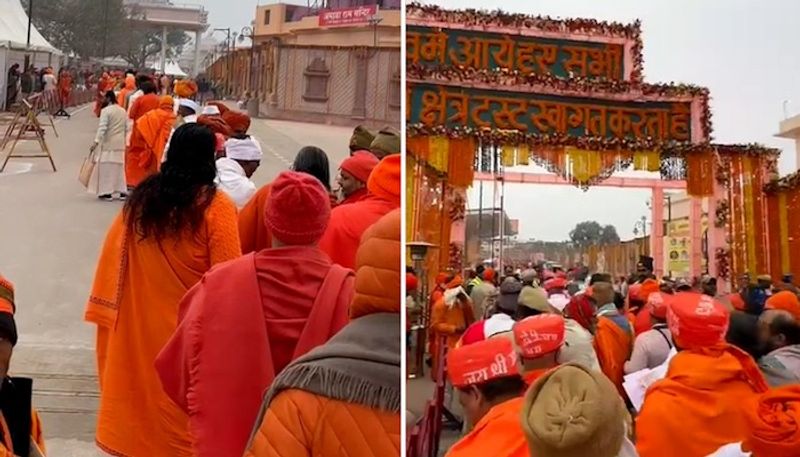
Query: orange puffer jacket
[(298, 423)]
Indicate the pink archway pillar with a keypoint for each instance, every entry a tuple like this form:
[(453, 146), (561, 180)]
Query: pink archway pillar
[(657, 187)]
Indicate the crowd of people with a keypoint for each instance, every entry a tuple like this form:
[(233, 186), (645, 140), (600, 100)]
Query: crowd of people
[(222, 309), (551, 362)]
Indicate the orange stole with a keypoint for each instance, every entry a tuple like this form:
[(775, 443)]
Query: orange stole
[(613, 346), (253, 232), (497, 434), (700, 405), (134, 303)]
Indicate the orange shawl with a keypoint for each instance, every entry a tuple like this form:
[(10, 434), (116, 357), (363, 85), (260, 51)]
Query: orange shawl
[(134, 303), (497, 434), (253, 232), (700, 405), (155, 128), (613, 346)]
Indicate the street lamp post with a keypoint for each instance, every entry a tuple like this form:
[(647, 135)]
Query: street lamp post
[(227, 58), (253, 102)]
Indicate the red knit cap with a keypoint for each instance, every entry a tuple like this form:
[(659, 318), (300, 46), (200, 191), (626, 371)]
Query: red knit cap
[(298, 209), (360, 165)]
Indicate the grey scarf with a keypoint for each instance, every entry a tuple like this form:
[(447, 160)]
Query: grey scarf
[(360, 364)]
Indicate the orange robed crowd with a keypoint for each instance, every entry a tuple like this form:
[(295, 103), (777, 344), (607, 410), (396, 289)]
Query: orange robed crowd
[(537, 367), (203, 351)]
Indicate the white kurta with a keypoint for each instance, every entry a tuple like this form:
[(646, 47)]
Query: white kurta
[(232, 180), (108, 176)]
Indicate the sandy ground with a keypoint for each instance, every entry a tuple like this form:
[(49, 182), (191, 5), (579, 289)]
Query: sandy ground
[(50, 237)]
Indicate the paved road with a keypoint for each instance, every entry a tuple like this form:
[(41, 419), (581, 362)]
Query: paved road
[(49, 241)]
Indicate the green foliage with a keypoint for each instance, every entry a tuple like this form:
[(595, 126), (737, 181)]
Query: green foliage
[(86, 27), (589, 233)]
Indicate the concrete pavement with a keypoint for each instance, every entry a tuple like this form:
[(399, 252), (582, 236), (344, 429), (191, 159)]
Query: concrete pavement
[(52, 230)]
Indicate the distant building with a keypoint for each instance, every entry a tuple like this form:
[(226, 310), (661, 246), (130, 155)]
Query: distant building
[(307, 65)]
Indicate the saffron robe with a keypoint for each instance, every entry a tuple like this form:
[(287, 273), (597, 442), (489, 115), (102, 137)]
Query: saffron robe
[(613, 346), (445, 320), (497, 434), (253, 231), (301, 297), (138, 146), (134, 303), (700, 405), (348, 222)]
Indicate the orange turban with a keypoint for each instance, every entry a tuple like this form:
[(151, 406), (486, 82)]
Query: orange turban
[(384, 181), (648, 287), (216, 124), (238, 122), (539, 335), (786, 301), (185, 88), (775, 423), (455, 282), (696, 320), (481, 362), (658, 303), (166, 102), (6, 296), (222, 108)]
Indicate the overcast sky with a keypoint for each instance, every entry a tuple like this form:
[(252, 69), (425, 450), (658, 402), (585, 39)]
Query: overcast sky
[(743, 50)]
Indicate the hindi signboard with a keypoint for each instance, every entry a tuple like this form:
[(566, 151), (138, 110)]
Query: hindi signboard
[(546, 114), (480, 50), (343, 17)]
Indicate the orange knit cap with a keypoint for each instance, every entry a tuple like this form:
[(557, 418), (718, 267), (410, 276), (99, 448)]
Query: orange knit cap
[(237, 121), (482, 361), (384, 181), (774, 422), (539, 335), (696, 320), (786, 301)]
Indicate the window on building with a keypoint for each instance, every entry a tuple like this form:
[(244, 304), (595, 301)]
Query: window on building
[(316, 75), (394, 90), (266, 17)]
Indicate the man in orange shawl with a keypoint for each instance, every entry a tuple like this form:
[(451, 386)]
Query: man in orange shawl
[(279, 303), (450, 317), (486, 375), (130, 87), (348, 222), (538, 339), (613, 339), (149, 101), (105, 84), (151, 132), (700, 404), (20, 426), (343, 398)]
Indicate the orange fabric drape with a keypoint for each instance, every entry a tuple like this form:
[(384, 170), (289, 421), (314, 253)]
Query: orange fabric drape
[(700, 174)]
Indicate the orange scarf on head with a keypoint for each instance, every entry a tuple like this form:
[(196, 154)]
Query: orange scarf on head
[(155, 128), (702, 400)]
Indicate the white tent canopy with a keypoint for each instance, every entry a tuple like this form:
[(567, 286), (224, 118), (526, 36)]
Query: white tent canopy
[(14, 29)]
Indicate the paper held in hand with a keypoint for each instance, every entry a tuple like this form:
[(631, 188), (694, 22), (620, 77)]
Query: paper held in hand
[(636, 384)]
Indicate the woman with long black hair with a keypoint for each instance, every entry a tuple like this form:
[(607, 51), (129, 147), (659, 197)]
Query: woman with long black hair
[(174, 227)]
